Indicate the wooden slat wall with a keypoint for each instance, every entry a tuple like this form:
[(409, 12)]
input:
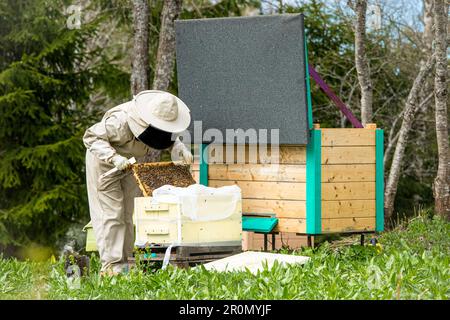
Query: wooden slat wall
[(278, 188), (348, 180)]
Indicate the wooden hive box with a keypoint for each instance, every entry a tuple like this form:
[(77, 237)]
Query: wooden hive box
[(162, 222), (332, 185)]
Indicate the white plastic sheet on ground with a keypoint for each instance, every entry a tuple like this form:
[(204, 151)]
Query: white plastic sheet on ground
[(254, 261)]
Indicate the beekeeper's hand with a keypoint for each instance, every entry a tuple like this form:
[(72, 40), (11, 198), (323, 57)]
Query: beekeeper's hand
[(120, 162)]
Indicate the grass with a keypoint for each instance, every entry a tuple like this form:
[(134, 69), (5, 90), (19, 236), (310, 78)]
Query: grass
[(412, 264)]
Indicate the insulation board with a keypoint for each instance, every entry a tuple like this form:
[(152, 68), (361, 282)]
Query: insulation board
[(244, 73)]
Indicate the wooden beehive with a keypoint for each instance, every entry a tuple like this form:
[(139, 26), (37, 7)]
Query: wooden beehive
[(162, 222), (332, 185)]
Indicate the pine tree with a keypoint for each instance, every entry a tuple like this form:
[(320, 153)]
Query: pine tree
[(44, 89)]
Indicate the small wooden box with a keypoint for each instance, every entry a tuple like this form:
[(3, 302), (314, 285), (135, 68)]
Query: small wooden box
[(164, 223)]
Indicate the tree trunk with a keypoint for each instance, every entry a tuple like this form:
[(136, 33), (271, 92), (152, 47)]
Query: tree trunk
[(140, 69), (410, 110), (428, 21), (165, 59), (424, 96), (139, 73), (424, 116), (362, 64), (442, 180)]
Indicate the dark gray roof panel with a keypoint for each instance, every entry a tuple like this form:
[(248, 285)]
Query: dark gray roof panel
[(245, 72)]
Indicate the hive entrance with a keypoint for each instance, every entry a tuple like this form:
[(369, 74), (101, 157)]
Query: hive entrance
[(151, 176)]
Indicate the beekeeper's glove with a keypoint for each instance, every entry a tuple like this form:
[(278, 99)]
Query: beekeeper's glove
[(120, 162), (181, 154), (187, 157)]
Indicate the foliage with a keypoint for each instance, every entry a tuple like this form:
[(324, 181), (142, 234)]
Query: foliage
[(22, 280), (412, 264), (55, 82), (45, 86)]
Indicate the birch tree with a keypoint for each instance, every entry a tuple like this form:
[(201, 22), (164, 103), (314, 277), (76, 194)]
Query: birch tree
[(361, 61), (424, 115), (442, 181), (411, 107), (418, 98), (140, 65), (428, 20)]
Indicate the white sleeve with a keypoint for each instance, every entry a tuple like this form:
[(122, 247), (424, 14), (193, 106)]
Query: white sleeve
[(98, 137)]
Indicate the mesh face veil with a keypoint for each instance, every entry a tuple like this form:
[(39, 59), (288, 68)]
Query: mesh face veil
[(156, 139)]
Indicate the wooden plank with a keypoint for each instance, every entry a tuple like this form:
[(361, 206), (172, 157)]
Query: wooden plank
[(347, 137), (348, 191), (258, 172), (136, 177), (266, 190), (195, 166), (196, 176), (348, 209), (291, 225), (348, 224), (287, 154), (282, 208), (187, 251), (293, 154), (348, 155), (348, 172)]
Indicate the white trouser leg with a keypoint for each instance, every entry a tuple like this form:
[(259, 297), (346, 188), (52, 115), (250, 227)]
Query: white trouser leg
[(130, 190), (106, 205)]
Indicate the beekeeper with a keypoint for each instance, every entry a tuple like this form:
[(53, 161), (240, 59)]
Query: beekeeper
[(151, 120)]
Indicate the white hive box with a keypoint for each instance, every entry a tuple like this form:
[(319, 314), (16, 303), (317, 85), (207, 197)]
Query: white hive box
[(203, 219)]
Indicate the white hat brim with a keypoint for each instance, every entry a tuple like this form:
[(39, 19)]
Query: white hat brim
[(143, 102)]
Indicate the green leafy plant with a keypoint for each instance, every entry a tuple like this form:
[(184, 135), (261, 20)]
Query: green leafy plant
[(413, 263)]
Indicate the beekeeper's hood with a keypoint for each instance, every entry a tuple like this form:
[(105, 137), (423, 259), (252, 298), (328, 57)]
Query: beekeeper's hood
[(157, 109)]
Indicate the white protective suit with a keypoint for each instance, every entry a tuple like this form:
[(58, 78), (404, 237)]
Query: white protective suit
[(111, 199)]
